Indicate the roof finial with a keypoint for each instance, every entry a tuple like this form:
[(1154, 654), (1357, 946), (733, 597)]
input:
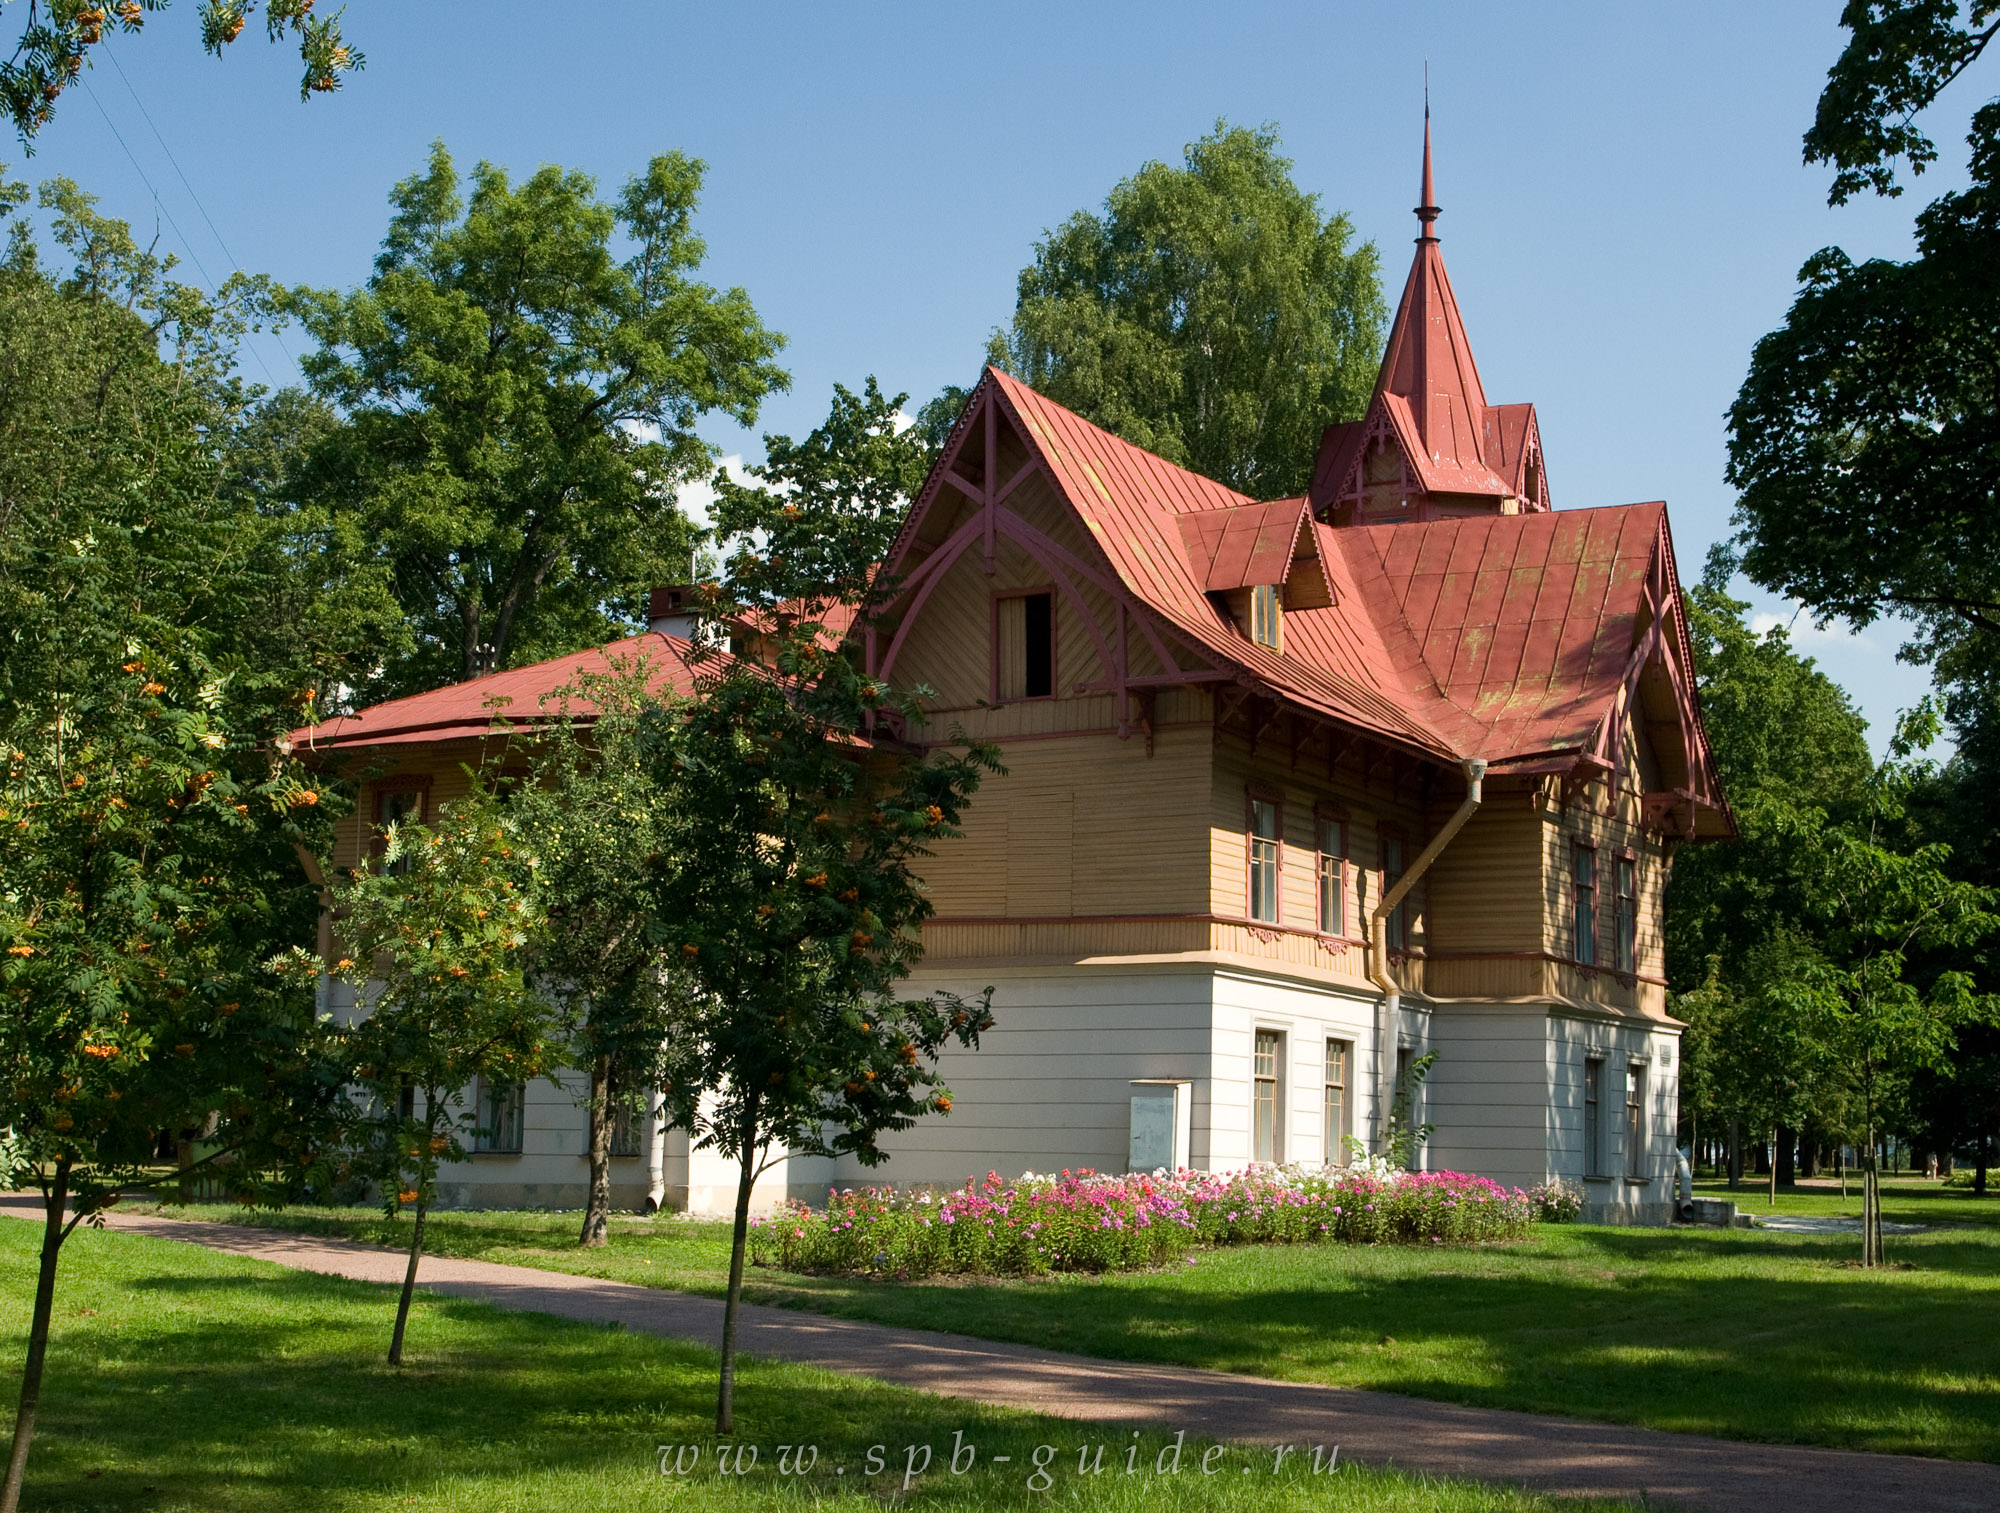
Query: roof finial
[(1427, 212)]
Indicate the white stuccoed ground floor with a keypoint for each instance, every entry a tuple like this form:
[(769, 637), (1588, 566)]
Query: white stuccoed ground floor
[(1127, 1064)]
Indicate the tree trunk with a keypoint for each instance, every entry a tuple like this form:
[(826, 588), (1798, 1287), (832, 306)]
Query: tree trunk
[(725, 1401), (1735, 1154), (1979, 1171), (1787, 1143), (184, 1149), (424, 1161), (597, 1206), (56, 1200), (1871, 1206), (1771, 1170)]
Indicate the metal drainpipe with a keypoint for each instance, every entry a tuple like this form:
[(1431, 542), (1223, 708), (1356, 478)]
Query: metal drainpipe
[(1390, 1004)]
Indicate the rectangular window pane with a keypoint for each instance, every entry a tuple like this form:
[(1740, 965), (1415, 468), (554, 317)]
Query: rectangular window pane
[(1593, 1097), (1264, 1089), (1263, 861), (1332, 878), (1266, 617), (1628, 915), (498, 1108), (1583, 925), (1635, 1121), (1024, 625), (627, 1120), (1392, 873), (1336, 1102)]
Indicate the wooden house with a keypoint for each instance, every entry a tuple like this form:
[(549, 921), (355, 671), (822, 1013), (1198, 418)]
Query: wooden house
[(1299, 792)]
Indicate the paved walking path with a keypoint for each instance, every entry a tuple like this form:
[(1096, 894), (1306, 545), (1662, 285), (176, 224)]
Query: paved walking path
[(1550, 1454)]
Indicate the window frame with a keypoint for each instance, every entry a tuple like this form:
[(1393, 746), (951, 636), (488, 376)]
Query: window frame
[(381, 790), (994, 657), (1325, 815), (1398, 923), (488, 1142), (1253, 795), (1636, 1141), (1625, 911), (1582, 899), (1335, 1077), (1267, 612), (1593, 1116), (1267, 1096)]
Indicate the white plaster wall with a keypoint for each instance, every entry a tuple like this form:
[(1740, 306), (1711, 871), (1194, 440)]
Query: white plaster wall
[(1571, 1040), (1487, 1094), (1307, 1015), (1050, 1085)]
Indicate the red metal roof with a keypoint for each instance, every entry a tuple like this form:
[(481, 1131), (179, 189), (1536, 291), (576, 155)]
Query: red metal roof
[(1243, 546), (500, 701)]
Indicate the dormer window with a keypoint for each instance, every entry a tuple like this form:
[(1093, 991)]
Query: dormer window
[(1267, 616)]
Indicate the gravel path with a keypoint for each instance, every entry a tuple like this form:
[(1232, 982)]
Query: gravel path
[(1551, 1454)]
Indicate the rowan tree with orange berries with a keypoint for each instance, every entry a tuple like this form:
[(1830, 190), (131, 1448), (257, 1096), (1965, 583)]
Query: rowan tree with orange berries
[(149, 814), (58, 37), (434, 936)]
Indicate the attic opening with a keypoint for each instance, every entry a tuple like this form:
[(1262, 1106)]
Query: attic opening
[(1024, 645)]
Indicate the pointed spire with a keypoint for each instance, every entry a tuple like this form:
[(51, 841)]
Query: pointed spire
[(1428, 211)]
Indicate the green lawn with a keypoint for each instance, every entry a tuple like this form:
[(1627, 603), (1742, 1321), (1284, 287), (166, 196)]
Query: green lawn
[(180, 1378), (1736, 1333)]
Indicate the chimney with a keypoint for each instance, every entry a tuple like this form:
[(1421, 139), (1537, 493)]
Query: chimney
[(672, 612)]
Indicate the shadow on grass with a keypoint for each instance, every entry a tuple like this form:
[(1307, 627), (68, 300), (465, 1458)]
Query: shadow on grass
[(1740, 1337)]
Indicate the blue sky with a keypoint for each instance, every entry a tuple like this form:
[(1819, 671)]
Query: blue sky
[(1625, 207)]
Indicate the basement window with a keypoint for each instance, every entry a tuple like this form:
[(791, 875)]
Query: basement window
[(1267, 616), (1024, 646)]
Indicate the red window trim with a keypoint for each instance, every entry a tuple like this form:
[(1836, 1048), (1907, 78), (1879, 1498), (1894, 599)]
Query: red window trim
[(993, 643), (1254, 793)]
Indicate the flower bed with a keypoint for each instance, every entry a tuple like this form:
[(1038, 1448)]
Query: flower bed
[(1084, 1221)]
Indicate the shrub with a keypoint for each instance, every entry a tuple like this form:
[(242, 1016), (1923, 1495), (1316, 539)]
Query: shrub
[(1084, 1221), (1556, 1202)]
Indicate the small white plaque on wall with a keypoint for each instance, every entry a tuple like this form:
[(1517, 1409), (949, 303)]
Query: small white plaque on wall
[(1162, 1119)]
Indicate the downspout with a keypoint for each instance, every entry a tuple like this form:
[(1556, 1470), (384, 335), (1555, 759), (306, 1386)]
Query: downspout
[(1390, 1004)]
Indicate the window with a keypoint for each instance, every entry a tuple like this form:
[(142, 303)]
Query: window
[(627, 1120), (406, 1102), (1025, 646), (1635, 1119), (1593, 1116), (1626, 946), (1264, 1097), (1392, 873), (1336, 1102), (497, 1108), (398, 801), (1267, 616), (1332, 877), (1264, 861), (1583, 906)]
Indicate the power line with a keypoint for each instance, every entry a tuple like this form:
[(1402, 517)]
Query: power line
[(158, 204), (235, 262)]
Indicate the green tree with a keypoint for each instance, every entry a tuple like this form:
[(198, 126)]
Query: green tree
[(823, 512), (788, 899), (596, 820), (436, 944), (57, 38), (1785, 736), (149, 811), (520, 403), (1211, 314), (1865, 435)]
